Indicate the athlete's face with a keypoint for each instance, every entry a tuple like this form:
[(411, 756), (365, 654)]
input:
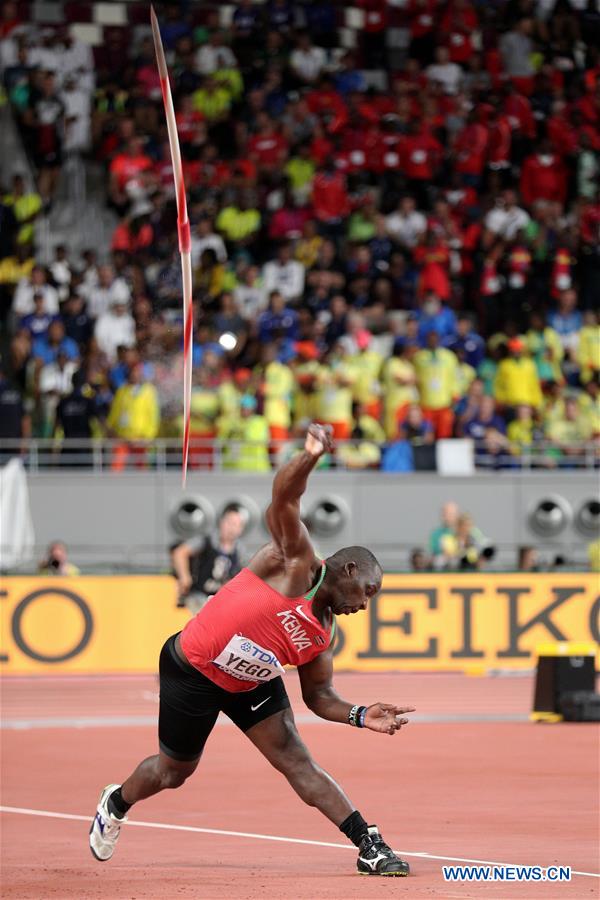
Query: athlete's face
[(353, 590)]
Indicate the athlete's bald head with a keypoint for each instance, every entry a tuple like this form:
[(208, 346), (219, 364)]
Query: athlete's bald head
[(360, 556), (353, 577)]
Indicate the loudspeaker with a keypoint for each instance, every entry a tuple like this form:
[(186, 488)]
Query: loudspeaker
[(560, 673)]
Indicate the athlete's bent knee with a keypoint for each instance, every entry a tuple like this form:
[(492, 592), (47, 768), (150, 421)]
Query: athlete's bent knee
[(172, 778)]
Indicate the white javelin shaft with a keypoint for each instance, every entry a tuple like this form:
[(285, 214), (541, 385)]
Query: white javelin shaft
[(183, 231)]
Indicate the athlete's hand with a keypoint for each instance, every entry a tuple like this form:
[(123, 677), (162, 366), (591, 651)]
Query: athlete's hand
[(386, 718), (318, 440)]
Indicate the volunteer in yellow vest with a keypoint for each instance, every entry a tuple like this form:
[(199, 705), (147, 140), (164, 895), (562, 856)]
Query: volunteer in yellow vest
[(335, 406), (437, 380), (517, 380), (277, 386), (588, 354), (399, 387), (26, 208), (465, 375), (212, 100), (367, 365), (134, 418), (205, 407), (364, 451), (238, 223), (308, 380), (253, 452)]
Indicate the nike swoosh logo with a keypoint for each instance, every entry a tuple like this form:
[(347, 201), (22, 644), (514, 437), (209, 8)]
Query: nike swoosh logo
[(254, 708), (300, 612)]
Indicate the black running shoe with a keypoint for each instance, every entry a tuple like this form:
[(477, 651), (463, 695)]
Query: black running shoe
[(376, 858)]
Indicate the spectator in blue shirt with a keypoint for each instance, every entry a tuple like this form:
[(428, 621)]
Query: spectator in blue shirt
[(567, 319), (37, 322), (468, 340), (78, 325), (277, 321), (348, 78), (488, 430), (435, 316), (47, 348), (415, 428)]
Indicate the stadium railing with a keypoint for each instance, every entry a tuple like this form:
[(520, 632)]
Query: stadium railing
[(162, 454)]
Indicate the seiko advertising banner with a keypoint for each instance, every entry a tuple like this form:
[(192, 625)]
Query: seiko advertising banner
[(455, 622)]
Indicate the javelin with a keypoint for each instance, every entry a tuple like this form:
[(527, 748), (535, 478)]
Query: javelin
[(183, 231)]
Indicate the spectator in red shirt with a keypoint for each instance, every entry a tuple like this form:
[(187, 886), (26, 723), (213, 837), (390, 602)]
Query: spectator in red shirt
[(422, 15), (456, 28), (268, 148), (470, 150), (421, 153), (373, 36), (126, 171), (330, 199), (433, 258), (325, 102), (543, 176)]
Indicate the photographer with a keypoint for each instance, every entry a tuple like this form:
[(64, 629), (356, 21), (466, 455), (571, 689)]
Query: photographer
[(56, 562), (204, 564)]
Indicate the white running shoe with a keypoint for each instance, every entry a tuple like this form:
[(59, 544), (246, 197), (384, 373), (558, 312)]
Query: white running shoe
[(105, 828)]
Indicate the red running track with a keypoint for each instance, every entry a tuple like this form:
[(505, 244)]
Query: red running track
[(502, 791)]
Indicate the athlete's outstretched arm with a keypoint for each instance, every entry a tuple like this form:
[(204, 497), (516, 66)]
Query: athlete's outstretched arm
[(317, 692), (283, 515)]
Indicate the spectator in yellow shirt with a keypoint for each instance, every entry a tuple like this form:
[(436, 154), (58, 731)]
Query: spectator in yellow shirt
[(517, 382), (134, 418), (545, 348), (26, 207), (308, 378), (366, 363), (277, 387), (363, 451), (399, 387), (212, 100), (252, 432), (588, 354), (570, 433), (520, 430), (335, 401), (589, 403), (239, 223), (437, 380)]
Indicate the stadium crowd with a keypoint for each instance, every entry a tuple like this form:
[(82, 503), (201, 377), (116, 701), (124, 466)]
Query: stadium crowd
[(402, 243)]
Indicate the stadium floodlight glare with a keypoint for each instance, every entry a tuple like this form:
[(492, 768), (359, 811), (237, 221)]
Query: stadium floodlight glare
[(228, 340)]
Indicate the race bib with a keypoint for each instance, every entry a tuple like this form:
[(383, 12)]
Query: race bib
[(244, 659)]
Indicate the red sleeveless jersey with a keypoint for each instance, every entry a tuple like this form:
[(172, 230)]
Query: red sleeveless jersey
[(248, 632)]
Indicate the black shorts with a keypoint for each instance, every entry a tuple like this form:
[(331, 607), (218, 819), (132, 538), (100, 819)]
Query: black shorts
[(190, 704)]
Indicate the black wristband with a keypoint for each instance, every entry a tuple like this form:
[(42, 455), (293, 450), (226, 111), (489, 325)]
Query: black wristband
[(356, 716)]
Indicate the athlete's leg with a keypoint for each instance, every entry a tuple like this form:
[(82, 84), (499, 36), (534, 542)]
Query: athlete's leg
[(187, 714), (278, 740), (155, 774)]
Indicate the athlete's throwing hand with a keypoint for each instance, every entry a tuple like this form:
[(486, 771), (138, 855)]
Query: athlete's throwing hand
[(318, 440), (386, 718)]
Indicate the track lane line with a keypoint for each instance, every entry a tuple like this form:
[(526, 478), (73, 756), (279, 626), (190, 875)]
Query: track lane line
[(19, 810)]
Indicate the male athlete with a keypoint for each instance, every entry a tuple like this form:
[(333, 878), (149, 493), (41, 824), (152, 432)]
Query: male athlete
[(278, 611)]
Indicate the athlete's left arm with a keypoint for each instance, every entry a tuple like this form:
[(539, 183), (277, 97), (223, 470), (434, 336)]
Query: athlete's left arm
[(316, 679)]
